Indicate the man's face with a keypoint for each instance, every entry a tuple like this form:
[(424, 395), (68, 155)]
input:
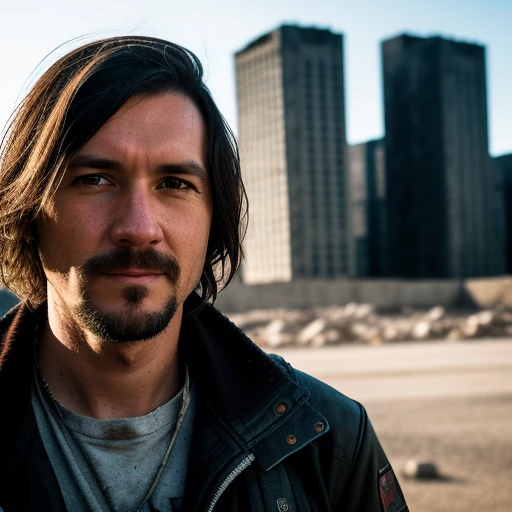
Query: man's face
[(124, 242)]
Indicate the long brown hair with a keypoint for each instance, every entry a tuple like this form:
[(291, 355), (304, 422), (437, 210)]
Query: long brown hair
[(65, 108)]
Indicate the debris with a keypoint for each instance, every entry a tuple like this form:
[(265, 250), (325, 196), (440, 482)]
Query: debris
[(363, 311), (485, 317), (354, 322), (310, 331), (274, 335), (332, 336), (421, 330), (436, 313), (421, 470)]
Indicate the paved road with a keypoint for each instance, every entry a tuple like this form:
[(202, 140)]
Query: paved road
[(449, 403), (411, 370)]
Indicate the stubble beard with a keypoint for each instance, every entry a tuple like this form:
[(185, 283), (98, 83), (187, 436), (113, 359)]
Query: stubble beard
[(132, 323)]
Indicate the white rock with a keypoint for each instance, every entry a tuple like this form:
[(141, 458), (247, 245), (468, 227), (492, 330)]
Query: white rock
[(279, 339), (312, 329), (332, 336), (436, 313), (455, 334), (485, 317), (390, 332), (359, 329), (420, 470), (350, 309), (363, 311), (335, 315), (318, 340), (470, 328), (373, 335), (274, 327), (421, 330), (472, 321)]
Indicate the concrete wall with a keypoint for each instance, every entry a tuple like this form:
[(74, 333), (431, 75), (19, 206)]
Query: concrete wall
[(302, 293), (383, 293)]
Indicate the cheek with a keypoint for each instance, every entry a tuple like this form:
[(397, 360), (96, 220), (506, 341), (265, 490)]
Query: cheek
[(63, 240), (49, 244), (192, 232)]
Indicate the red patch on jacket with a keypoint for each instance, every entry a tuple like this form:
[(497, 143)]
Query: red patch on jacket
[(391, 496)]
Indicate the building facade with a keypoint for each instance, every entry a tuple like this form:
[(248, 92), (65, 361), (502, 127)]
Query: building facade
[(440, 181), (503, 166), (367, 209), (291, 118)]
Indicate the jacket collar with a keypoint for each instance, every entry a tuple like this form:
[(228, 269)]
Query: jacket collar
[(240, 386), (17, 337), (239, 381)]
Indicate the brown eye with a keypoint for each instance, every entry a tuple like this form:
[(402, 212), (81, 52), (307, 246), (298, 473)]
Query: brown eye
[(93, 180), (175, 183)]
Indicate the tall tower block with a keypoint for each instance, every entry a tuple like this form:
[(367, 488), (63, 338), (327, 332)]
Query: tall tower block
[(291, 118)]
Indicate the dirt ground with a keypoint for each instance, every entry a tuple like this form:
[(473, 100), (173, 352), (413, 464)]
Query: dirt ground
[(470, 440)]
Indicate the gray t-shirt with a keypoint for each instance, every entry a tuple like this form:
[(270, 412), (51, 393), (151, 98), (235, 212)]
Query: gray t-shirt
[(126, 464)]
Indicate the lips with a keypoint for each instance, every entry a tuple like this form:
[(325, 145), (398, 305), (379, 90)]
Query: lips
[(133, 276)]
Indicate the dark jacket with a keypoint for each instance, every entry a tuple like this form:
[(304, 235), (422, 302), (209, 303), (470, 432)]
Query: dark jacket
[(266, 437)]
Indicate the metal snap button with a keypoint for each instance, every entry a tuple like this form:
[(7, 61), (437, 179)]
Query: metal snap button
[(281, 408), (291, 439), (319, 426)]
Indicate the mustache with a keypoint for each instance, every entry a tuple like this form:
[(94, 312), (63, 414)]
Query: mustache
[(126, 258)]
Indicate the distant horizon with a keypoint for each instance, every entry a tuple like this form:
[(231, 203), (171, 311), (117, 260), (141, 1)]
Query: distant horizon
[(216, 33)]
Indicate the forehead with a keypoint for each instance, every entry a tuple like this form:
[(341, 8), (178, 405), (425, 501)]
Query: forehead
[(166, 125)]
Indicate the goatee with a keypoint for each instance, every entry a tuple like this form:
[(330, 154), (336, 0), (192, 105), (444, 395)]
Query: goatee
[(131, 324)]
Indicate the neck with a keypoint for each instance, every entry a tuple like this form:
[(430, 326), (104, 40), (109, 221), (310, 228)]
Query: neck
[(108, 380)]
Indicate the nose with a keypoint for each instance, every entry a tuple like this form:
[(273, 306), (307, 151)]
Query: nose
[(137, 221)]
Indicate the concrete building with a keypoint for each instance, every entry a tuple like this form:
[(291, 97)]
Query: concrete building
[(440, 181), (504, 169), (367, 209), (291, 118)]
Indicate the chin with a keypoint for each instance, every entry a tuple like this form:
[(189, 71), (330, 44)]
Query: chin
[(133, 323)]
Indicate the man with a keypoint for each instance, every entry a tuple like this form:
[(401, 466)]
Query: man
[(121, 387)]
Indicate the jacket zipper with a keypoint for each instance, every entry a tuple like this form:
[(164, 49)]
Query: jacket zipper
[(222, 487)]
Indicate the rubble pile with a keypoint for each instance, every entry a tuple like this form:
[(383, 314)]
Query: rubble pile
[(361, 323)]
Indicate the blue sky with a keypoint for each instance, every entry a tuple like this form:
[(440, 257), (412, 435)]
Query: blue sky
[(215, 29)]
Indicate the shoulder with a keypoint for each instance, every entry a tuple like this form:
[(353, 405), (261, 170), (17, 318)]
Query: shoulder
[(347, 418), (322, 396), (348, 456)]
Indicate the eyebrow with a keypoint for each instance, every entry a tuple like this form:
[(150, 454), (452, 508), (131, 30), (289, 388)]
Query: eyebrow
[(188, 167)]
